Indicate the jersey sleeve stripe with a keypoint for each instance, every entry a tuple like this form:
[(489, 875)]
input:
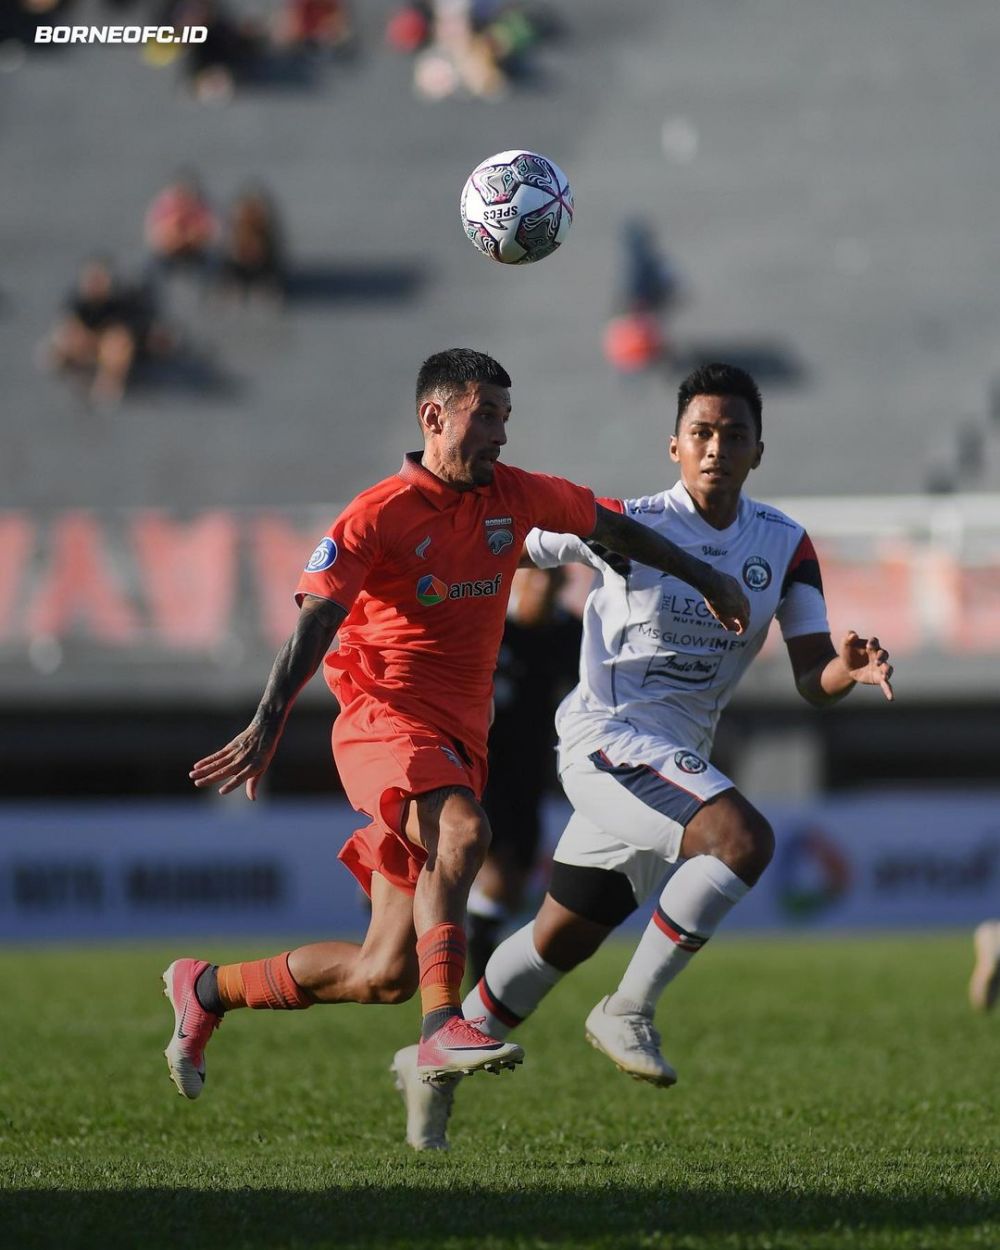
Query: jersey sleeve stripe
[(803, 567)]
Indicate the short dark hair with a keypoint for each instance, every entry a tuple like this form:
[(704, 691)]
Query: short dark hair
[(453, 370), (719, 379)]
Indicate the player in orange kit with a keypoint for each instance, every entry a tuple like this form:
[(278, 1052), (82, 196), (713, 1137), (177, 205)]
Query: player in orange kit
[(415, 575)]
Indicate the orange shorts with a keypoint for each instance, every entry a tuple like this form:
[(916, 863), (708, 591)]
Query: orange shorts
[(385, 758)]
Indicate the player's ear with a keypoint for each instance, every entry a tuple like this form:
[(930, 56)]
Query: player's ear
[(429, 415), (759, 456), (672, 448)]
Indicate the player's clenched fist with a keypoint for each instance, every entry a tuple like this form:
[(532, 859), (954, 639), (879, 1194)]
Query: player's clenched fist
[(726, 601)]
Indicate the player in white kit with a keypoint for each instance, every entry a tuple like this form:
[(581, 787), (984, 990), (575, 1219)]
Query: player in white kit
[(656, 670)]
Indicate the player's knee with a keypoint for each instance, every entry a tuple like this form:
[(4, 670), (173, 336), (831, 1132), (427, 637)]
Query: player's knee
[(747, 845), (465, 837)]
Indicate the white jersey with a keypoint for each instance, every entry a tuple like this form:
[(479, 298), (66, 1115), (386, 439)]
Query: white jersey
[(653, 656)]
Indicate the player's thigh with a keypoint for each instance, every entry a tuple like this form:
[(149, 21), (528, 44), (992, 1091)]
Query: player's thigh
[(598, 876), (641, 790)]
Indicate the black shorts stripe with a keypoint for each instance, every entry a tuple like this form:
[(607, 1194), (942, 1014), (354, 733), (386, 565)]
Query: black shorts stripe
[(652, 788)]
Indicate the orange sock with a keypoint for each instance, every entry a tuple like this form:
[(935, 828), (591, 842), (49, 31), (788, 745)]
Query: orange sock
[(232, 991), (262, 983), (441, 957)]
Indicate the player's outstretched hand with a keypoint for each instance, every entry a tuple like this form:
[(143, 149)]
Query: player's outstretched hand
[(867, 662), (244, 760), (725, 600)]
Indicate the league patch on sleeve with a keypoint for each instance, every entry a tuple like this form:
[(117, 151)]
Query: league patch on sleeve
[(324, 555)]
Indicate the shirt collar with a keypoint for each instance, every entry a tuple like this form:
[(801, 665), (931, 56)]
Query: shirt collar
[(439, 493), (685, 504)]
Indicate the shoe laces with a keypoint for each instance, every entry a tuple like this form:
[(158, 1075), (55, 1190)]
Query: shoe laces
[(468, 1032), (644, 1032)]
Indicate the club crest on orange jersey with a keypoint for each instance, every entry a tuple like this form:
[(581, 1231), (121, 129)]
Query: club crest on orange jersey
[(498, 534)]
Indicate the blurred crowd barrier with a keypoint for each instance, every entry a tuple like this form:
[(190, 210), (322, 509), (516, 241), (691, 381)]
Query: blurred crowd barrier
[(158, 606), (208, 868)]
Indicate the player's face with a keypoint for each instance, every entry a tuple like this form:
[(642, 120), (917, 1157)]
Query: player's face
[(716, 445), (474, 429)]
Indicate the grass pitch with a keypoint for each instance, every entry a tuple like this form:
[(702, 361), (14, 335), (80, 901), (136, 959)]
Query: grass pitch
[(833, 1093)]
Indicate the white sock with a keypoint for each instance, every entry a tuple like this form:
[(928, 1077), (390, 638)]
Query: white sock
[(695, 900), (481, 904), (517, 978)]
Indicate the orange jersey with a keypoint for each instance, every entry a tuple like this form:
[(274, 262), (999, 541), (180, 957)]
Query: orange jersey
[(425, 571)]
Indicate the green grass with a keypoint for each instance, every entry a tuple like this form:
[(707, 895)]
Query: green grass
[(832, 1094)]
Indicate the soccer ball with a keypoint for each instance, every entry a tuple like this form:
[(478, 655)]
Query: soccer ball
[(517, 207)]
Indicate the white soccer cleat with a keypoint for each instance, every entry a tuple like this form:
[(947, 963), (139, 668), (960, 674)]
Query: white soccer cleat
[(631, 1043), (984, 986), (428, 1103)]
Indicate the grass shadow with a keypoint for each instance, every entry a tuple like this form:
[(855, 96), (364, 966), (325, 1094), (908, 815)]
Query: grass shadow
[(424, 1216)]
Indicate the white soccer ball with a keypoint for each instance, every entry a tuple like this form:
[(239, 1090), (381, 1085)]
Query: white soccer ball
[(517, 207)]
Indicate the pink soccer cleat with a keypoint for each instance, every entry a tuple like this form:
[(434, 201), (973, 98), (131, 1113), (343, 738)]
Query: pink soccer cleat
[(458, 1047), (193, 1026)]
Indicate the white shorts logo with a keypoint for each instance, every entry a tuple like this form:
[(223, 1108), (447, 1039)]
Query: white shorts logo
[(324, 555), (688, 762)]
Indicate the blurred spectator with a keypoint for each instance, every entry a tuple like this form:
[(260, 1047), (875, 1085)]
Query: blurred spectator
[(228, 55), (458, 58), (180, 227), (634, 342), (538, 663), (409, 28), (106, 327), (635, 338), (18, 20), (651, 282), (314, 25), (471, 46), (253, 258)]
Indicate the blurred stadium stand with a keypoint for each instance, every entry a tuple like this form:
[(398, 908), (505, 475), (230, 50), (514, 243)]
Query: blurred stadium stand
[(826, 178)]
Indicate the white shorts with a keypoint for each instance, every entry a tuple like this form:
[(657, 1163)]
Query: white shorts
[(632, 798)]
